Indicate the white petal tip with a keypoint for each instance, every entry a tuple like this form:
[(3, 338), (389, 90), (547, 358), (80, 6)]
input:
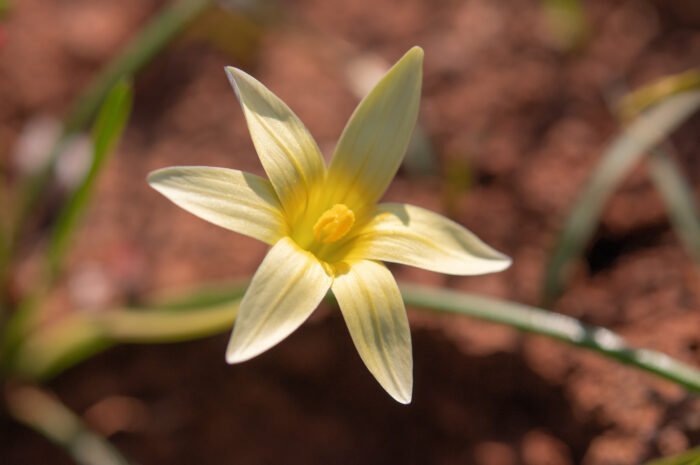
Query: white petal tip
[(494, 263), (152, 177), (231, 69), (234, 75), (237, 357), (402, 398), (235, 354), (503, 262)]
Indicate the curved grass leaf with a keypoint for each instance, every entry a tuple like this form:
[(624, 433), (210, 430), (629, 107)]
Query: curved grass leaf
[(54, 348), (106, 131), (555, 326), (140, 51), (637, 101), (643, 134), (689, 457), (43, 412), (678, 195), (152, 39)]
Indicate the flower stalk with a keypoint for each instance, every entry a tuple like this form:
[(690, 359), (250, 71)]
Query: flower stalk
[(48, 352)]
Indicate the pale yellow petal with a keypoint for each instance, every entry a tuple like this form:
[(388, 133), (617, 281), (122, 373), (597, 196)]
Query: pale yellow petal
[(234, 200), (411, 235), (287, 151), (375, 315), (374, 141), (287, 287)]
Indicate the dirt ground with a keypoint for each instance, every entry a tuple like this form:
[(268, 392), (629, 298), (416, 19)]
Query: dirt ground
[(524, 120)]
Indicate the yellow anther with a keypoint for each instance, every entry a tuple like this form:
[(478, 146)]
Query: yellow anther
[(334, 223)]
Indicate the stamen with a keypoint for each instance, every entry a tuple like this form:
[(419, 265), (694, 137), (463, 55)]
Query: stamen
[(334, 223)]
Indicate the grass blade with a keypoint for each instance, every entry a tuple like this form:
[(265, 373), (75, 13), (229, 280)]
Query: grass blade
[(553, 325), (635, 102), (643, 134), (54, 348), (140, 51), (689, 457), (107, 130), (43, 412), (150, 41), (678, 195)]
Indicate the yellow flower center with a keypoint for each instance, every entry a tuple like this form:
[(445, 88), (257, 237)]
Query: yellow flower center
[(334, 223)]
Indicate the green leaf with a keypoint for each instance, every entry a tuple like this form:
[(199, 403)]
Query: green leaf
[(60, 345), (679, 198), (141, 50), (635, 102), (689, 457), (43, 412), (555, 326), (643, 134), (151, 40), (57, 346), (106, 131)]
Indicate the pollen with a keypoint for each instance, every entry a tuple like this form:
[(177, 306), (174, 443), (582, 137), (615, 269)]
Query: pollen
[(334, 223)]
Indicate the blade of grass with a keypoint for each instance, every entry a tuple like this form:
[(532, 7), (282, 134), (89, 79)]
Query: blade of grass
[(106, 131), (142, 49), (155, 36), (55, 348), (48, 350), (689, 457), (678, 195), (553, 325), (43, 412), (635, 102), (643, 134)]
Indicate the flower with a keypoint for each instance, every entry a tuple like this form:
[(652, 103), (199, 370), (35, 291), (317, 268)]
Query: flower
[(324, 226)]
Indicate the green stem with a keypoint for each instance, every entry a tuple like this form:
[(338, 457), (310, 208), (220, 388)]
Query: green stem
[(44, 413), (157, 34), (626, 150), (140, 51), (679, 198), (637, 101), (555, 326), (55, 348), (689, 457)]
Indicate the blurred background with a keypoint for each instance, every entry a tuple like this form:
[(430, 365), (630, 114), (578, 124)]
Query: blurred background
[(519, 102)]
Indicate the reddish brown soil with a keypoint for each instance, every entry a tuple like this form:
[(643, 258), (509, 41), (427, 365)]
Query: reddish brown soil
[(525, 121)]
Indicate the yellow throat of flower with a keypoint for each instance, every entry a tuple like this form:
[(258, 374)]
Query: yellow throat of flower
[(334, 223)]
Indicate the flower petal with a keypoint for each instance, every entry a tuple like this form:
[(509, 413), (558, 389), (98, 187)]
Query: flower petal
[(238, 201), (287, 151), (374, 141), (373, 310), (287, 287), (411, 235)]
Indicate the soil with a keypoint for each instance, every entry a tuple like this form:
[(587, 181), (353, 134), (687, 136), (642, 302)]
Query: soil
[(521, 121)]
